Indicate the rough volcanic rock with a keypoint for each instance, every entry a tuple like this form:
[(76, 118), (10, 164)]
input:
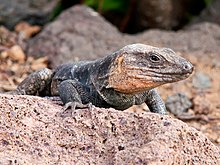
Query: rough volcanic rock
[(33, 11), (82, 34), (33, 131), (78, 34)]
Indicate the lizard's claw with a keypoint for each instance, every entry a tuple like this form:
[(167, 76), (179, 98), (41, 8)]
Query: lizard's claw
[(75, 105)]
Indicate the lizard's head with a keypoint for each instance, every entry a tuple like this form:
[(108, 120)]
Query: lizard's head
[(140, 67)]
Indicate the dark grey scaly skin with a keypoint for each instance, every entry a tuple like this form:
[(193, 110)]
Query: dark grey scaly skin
[(125, 78)]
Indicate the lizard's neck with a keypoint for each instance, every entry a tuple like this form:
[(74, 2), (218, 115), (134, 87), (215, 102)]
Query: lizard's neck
[(102, 72)]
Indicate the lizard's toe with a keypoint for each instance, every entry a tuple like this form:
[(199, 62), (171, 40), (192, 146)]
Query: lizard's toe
[(77, 105), (89, 105)]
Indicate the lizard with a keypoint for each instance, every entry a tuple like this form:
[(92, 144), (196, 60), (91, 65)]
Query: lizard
[(124, 78)]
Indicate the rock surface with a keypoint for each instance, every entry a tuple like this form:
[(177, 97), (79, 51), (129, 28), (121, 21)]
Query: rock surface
[(82, 34), (33, 11), (34, 131), (178, 104)]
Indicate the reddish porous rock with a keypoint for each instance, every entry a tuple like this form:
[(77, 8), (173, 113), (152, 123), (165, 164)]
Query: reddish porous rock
[(33, 131)]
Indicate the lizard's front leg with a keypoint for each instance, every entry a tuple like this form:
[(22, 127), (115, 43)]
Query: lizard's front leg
[(154, 102), (74, 95), (36, 83)]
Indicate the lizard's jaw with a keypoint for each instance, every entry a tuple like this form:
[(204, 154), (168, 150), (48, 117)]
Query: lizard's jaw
[(177, 73), (132, 85), (173, 73), (159, 76), (132, 81), (140, 80)]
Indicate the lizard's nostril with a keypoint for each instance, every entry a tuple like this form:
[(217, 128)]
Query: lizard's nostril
[(188, 67)]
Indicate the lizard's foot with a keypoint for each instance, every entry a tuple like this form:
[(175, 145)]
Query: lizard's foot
[(75, 105), (70, 107)]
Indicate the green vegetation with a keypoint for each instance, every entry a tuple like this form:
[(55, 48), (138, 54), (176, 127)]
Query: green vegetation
[(208, 2), (56, 11), (108, 5)]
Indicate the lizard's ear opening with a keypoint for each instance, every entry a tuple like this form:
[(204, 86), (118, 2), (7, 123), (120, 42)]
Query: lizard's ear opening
[(118, 67), (119, 63), (117, 72)]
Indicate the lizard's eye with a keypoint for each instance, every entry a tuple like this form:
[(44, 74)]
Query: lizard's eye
[(154, 58)]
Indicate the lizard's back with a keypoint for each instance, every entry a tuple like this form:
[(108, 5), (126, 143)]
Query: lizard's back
[(79, 71)]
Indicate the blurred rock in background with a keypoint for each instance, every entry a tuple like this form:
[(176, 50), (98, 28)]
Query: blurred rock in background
[(32, 11)]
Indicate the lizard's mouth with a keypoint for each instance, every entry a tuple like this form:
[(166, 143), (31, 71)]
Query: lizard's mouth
[(161, 78), (177, 75), (160, 75)]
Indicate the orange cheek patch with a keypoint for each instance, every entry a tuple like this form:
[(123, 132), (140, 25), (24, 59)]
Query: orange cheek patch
[(123, 78)]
